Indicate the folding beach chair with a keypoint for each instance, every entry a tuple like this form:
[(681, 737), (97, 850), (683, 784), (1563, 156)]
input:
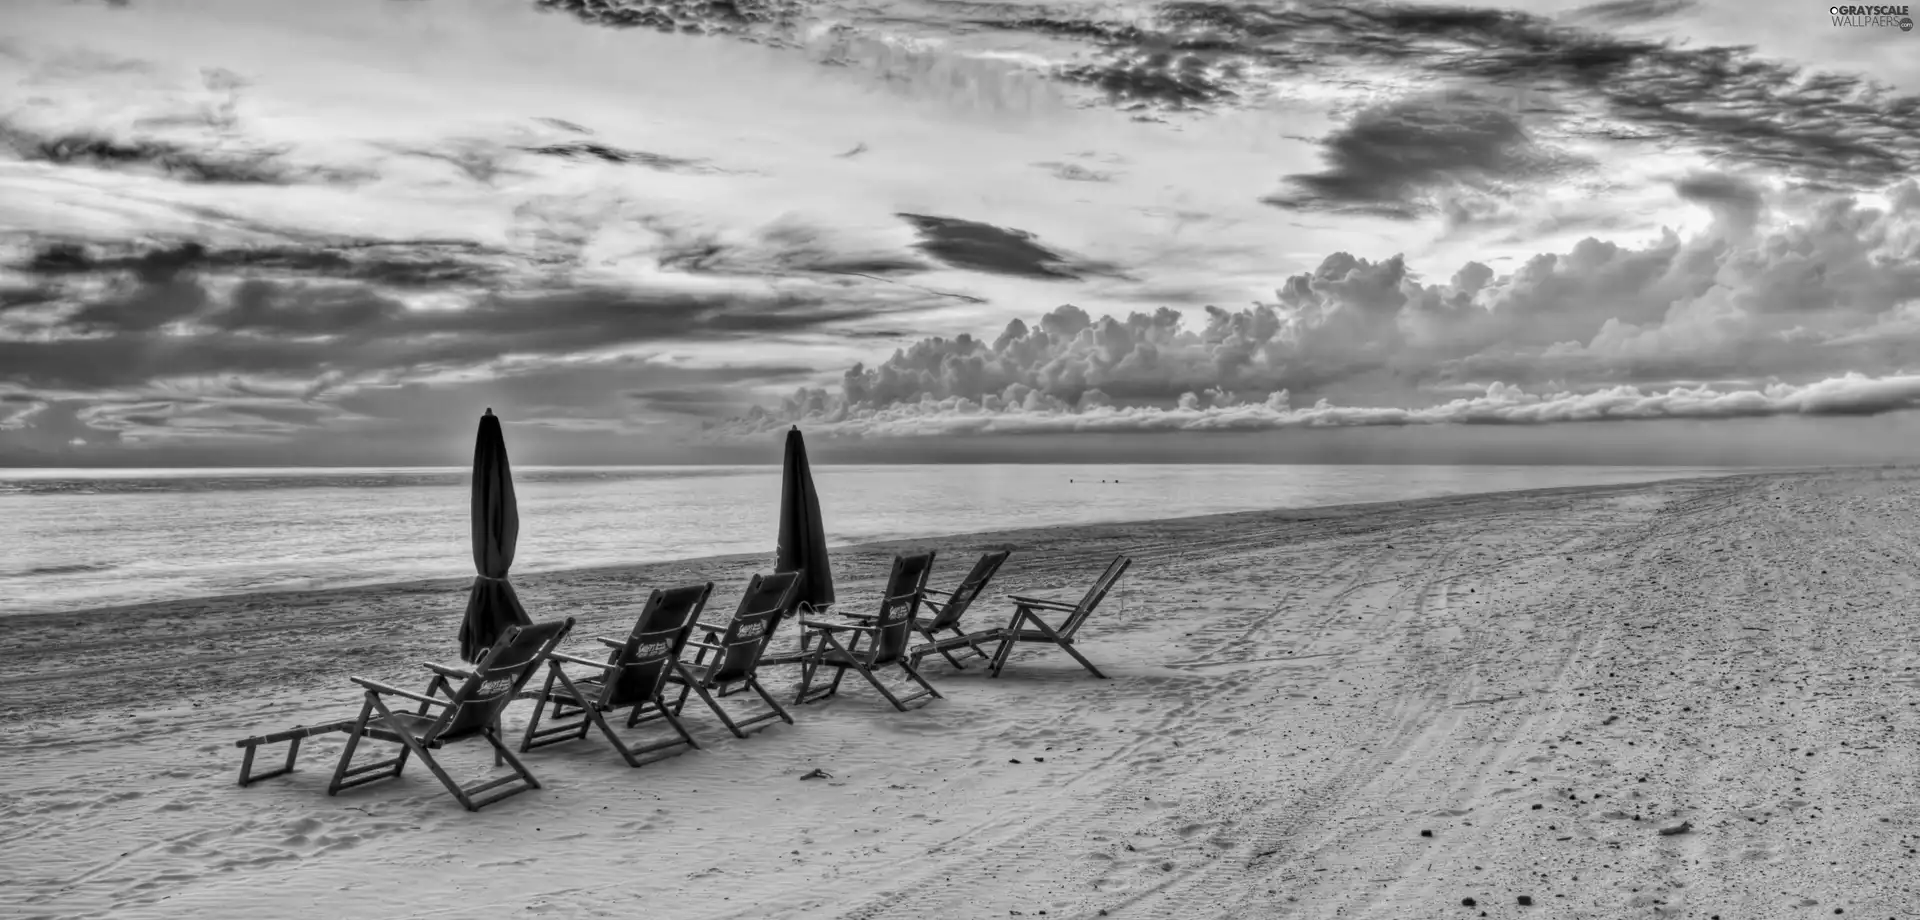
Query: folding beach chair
[(948, 607), (736, 648), (886, 636), (472, 707), (1027, 609), (631, 678)]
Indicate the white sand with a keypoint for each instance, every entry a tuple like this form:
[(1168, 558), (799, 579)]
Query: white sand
[(1542, 680)]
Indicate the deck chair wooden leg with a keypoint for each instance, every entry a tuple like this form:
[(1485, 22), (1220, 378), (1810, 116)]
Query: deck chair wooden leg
[(714, 705), (1065, 643), (811, 666), (506, 754), (807, 667), (660, 706), (873, 679), (930, 637), (1068, 646), (680, 702), (345, 775), (982, 655), (293, 737), (539, 707), (413, 744), (772, 703), (914, 673), (1000, 656)]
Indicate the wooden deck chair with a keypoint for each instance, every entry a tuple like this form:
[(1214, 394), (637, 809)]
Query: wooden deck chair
[(471, 707), (886, 636), (794, 605), (1027, 611), (948, 607), (736, 647), (631, 678)]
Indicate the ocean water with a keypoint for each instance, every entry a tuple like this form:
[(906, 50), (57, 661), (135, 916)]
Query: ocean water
[(72, 540)]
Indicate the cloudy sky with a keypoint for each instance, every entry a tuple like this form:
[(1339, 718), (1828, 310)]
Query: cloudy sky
[(264, 232)]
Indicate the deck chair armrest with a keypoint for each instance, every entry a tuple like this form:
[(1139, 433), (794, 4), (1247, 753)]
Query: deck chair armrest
[(1041, 602), (837, 627), (609, 643), (707, 645), (574, 659), (447, 670), (391, 690), (710, 627), (936, 591)]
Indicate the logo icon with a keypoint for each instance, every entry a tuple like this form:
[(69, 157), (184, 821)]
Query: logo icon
[(1906, 23)]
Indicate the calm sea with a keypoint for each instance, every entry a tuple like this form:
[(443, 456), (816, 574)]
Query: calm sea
[(80, 539)]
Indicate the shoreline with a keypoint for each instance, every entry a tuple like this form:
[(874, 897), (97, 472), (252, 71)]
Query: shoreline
[(732, 560)]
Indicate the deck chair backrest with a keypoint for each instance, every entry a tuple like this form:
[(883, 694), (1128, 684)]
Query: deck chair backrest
[(659, 634), (767, 599), (477, 702), (1095, 595), (906, 585), (976, 581)]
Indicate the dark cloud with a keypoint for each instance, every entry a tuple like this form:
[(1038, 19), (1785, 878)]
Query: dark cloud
[(1629, 12), (610, 154), (1738, 202), (482, 161), (711, 400), (1164, 78), (707, 17), (1389, 159), (423, 263), (784, 247), (982, 247), (1074, 172), (1833, 130), (214, 163), (190, 311), (13, 296), (564, 125)]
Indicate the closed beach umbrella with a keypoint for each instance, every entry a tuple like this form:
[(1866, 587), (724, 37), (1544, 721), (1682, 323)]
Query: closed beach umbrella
[(491, 605), (803, 537)]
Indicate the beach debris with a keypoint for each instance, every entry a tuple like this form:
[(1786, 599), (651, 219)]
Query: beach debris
[(1526, 900), (1676, 830), (1426, 833), (1468, 902), (816, 773), (1013, 760)]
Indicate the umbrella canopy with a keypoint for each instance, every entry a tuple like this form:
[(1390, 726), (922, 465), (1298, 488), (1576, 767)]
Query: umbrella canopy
[(803, 536), (491, 605)]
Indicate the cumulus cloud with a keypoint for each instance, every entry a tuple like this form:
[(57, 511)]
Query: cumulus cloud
[(1022, 413), (1817, 315)]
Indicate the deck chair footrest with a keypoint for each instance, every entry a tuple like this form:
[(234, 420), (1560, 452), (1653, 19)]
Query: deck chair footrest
[(495, 783)]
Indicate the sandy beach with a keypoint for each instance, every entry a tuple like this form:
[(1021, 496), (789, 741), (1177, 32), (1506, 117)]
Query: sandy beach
[(1372, 711)]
